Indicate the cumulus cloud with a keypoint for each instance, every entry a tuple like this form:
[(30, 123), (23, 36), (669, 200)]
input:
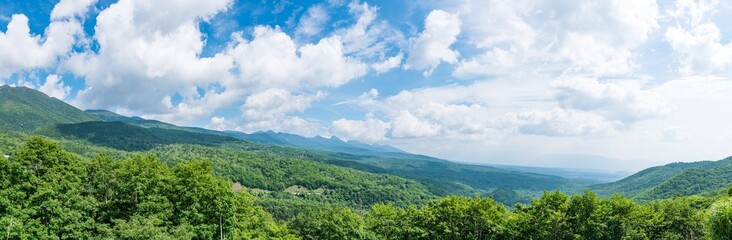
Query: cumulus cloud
[(23, 51), (71, 8), (433, 45), (368, 130), (54, 87), (150, 54), (272, 109), (625, 101), (406, 125), (696, 40), (220, 123), (546, 35), (369, 38), (388, 64), (562, 123), (574, 106), (275, 103), (311, 24), (273, 59)]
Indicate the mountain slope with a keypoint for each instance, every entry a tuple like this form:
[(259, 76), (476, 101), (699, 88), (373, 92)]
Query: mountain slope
[(128, 137), (108, 116), (673, 179), (24, 110), (441, 177)]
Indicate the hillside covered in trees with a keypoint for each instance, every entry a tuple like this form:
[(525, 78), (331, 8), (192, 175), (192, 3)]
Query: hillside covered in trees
[(107, 176), (234, 156), (48, 193)]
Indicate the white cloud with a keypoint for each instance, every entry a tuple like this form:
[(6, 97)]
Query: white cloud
[(311, 24), (291, 124), (272, 59), (167, 48), (71, 8), (474, 120), (369, 130), (369, 38), (492, 110), (388, 64), (22, 51), (433, 44), (549, 36), (562, 123), (272, 109), (623, 100), (406, 125), (54, 87), (275, 103), (220, 123), (371, 94), (696, 40), (149, 54)]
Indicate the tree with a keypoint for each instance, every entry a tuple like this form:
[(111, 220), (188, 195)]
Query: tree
[(457, 217), (47, 192), (545, 218), (202, 200), (677, 218), (140, 186), (334, 223), (389, 222), (720, 220)]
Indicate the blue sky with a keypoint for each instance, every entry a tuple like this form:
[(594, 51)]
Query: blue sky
[(614, 85)]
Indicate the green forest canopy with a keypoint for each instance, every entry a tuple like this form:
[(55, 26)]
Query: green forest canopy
[(48, 193)]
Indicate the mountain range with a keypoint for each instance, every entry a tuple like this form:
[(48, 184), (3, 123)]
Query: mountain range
[(27, 111)]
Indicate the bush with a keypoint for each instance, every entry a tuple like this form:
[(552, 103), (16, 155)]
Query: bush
[(720, 220)]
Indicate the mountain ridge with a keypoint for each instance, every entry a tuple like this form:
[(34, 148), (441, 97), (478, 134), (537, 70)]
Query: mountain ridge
[(23, 109), (441, 177), (57, 119)]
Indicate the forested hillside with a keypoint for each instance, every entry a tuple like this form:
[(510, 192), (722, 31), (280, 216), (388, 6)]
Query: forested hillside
[(132, 178), (48, 193), (24, 109), (127, 137), (675, 179), (130, 134)]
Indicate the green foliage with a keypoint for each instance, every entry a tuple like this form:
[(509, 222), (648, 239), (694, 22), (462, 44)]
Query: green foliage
[(389, 222), (331, 223), (83, 133), (447, 178), (546, 218), (678, 218), (45, 195), (676, 179), (274, 174), (181, 188), (464, 218), (720, 220), (48, 193), (508, 197)]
